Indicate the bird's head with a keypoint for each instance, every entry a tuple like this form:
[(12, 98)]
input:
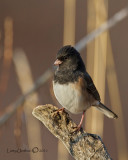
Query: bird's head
[(69, 58)]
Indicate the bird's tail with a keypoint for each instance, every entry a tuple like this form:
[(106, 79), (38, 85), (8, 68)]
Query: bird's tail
[(106, 111)]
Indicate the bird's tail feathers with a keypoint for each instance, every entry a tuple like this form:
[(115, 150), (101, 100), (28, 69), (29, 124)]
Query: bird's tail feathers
[(106, 111)]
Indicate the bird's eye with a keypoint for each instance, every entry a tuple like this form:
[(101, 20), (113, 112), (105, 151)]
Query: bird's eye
[(65, 58)]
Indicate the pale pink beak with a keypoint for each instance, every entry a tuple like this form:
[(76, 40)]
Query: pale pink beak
[(57, 62)]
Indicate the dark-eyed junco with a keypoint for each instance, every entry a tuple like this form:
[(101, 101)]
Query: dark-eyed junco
[(73, 86)]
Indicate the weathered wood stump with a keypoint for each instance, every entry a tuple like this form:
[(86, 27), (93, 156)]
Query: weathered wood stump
[(81, 145)]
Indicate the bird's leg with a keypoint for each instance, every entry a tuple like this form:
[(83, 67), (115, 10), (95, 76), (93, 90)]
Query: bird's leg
[(80, 124), (81, 121), (61, 109)]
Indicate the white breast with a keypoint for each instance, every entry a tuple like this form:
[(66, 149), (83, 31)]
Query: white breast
[(69, 97)]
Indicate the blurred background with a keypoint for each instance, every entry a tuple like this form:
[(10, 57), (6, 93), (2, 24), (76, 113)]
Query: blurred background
[(31, 33)]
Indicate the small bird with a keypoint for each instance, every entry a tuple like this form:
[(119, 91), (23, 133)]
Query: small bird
[(73, 87)]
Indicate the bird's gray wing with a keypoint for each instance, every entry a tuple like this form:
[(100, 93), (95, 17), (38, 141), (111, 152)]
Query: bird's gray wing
[(91, 87)]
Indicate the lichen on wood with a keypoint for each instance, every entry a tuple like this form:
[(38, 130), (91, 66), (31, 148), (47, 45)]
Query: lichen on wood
[(81, 145)]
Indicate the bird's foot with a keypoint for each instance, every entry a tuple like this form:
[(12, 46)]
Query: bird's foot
[(60, 110), (77, 129)]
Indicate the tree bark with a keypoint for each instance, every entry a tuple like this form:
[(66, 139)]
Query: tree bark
[(81, 145)]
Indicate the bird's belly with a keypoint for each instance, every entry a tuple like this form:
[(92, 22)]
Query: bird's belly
[(69, 97)]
